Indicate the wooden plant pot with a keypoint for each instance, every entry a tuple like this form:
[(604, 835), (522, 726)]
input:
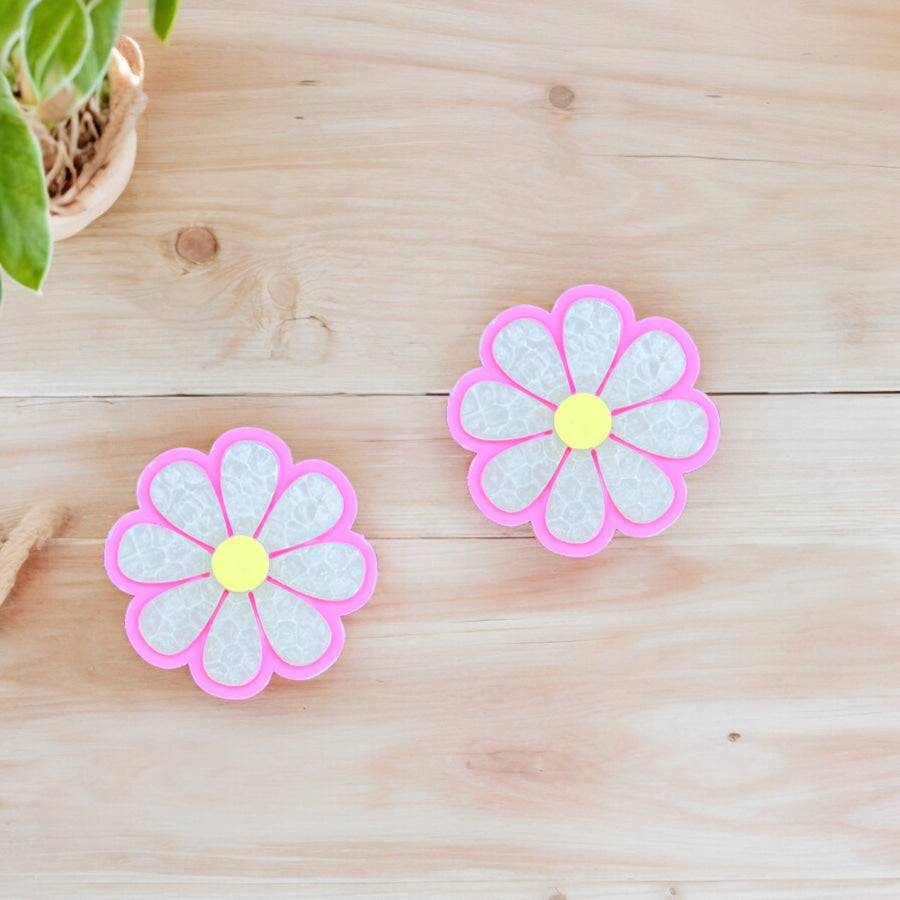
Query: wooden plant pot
[(111, 168)]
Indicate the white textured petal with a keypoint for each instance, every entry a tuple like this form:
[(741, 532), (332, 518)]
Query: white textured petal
[(493, 411), (652, 364), (591, 334), (672, 428), (152, 554), (298, 633), (575, 505), (526, 351), (249, 475), (233, 651), (173, 620), (327, 571), (514, 478), (308, 508), (182, 493), (639, 488)]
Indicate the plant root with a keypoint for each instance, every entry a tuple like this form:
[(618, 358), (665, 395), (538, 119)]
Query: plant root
[(68, 149)]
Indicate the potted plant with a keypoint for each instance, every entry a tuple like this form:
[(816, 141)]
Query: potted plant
[(69, 99)]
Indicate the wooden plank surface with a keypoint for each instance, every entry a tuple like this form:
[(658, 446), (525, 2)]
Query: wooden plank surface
[(534, 888), (383, 179), (713, 714), (789, 469), (679, 715)]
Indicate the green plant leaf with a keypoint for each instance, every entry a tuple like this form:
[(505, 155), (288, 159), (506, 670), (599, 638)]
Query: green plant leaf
[(55, 40), (105, 16), (25, 244), (11, 12), (162, 16)]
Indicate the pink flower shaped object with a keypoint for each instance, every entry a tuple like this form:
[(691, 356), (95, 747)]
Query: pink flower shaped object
[(240, 563), (583, 420)]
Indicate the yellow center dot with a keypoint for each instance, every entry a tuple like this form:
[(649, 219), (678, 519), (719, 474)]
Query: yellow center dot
[(582, 421), (240, 563)]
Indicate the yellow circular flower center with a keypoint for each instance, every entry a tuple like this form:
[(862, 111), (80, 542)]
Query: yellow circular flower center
[(582, 421), (240, 563)]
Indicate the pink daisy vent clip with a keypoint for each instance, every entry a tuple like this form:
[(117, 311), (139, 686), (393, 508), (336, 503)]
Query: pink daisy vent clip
[(240, 563), (583, 420)]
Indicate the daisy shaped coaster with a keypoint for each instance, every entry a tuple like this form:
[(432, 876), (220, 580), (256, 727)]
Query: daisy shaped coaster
[(240, 563), (583, 420)]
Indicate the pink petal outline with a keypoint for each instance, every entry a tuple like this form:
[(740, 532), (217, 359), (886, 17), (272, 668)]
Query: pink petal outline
[(314, 467), (673, 469), (589, 547), (676, 507), (179, 454), (691, 358), (325, 661), (111, 552), (680, 463), (154, 657), (542, 317), (593, 292), (357, 600), (483, 502), (143, 594)]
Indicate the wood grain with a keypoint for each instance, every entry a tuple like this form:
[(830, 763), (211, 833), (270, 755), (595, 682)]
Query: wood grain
[(383, 179), (456, 887), (789, 469), (330, 203), (491, 714)]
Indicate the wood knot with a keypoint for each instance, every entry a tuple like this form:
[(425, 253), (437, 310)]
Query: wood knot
[(734, 736), (196, 244), (561, 96)]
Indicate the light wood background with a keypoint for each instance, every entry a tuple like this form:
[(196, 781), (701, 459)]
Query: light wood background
[(713, 714)]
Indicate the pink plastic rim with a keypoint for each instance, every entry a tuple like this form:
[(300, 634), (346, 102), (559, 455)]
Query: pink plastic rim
[(486, 450), (330, 610)]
